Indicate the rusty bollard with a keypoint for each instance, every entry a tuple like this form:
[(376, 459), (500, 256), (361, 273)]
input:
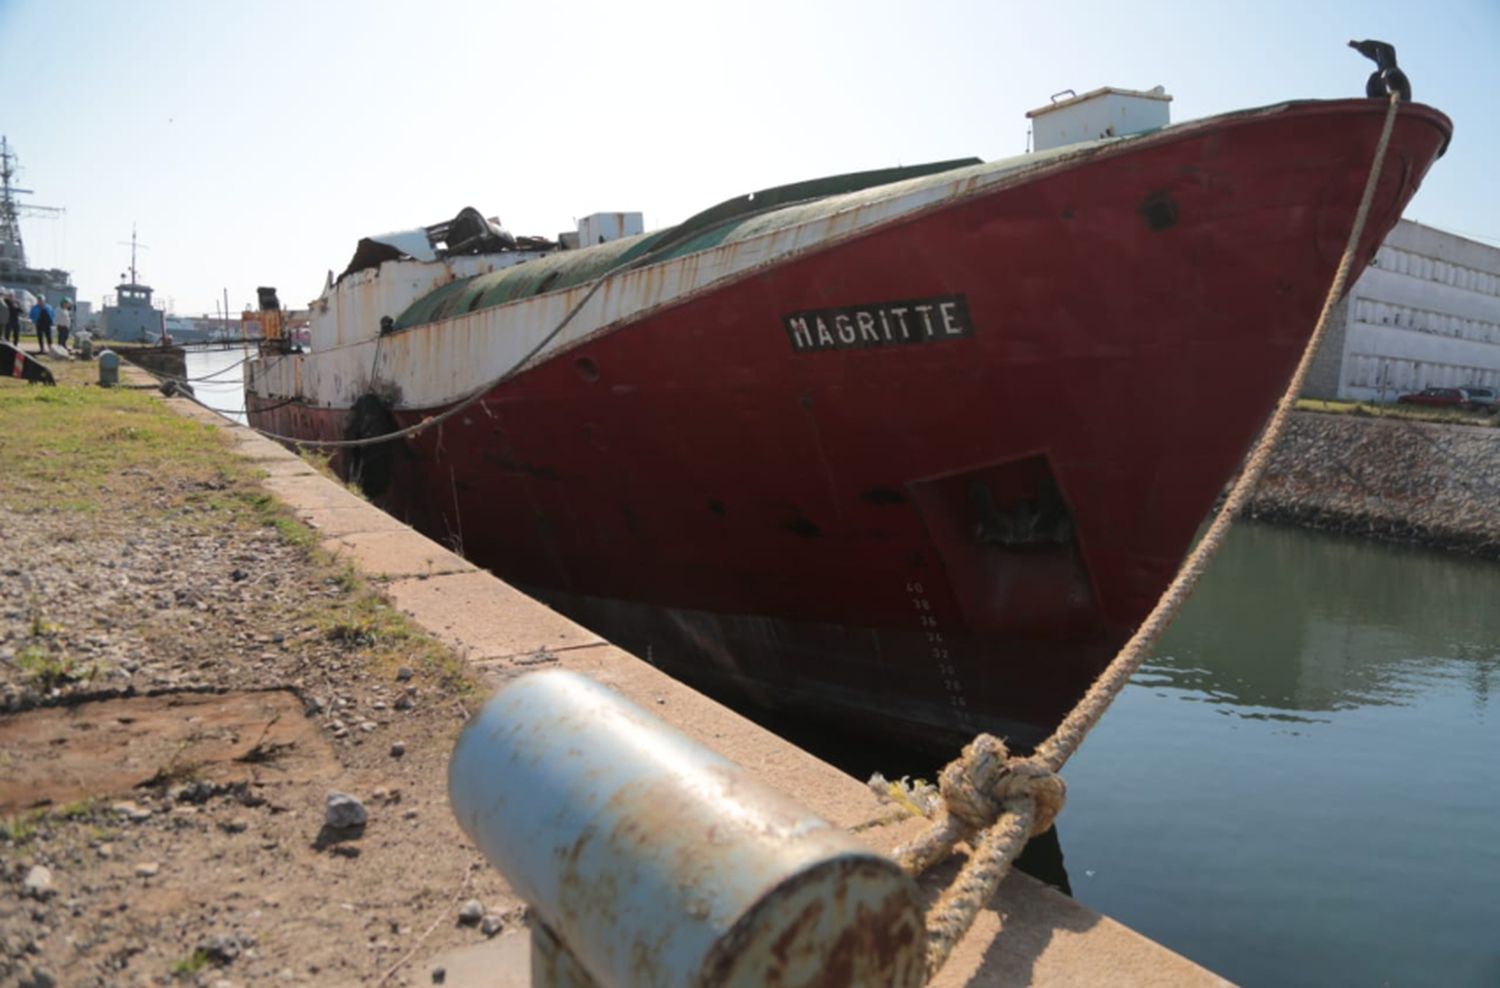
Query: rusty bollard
[(649, 860)]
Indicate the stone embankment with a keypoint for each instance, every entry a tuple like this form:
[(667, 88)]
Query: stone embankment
[(1386, 478)]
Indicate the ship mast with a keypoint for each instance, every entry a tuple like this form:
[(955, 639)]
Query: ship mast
[(134, 244), (12, 250)]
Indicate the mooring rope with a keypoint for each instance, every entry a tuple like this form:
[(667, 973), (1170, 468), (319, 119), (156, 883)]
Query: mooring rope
[(206, 377), (996, 802)]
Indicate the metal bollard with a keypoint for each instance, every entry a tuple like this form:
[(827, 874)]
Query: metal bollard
[(109, 368), (653, 861)]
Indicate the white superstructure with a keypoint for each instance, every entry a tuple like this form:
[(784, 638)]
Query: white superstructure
[(1100, 113)]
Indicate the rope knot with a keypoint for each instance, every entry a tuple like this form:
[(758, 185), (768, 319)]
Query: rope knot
[(978, 784)]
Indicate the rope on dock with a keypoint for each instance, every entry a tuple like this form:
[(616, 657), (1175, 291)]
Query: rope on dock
[(996, 802)]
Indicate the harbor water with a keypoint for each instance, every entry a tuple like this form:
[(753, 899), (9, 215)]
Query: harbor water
[(1302, 787), (217, 377)]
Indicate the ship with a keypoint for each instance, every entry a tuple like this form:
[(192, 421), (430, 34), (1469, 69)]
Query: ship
[(16, 274), (130, 315), (909, 452)]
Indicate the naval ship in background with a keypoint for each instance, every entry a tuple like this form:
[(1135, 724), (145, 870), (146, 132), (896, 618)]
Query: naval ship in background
[(15, 274)]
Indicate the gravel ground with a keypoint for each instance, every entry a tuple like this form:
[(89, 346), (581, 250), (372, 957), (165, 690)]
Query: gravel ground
[(218, 867)]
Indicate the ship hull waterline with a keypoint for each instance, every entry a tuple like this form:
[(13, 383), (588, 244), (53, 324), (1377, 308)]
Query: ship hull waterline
[(929, 536)]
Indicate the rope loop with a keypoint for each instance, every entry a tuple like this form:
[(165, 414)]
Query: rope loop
[(978, 786)]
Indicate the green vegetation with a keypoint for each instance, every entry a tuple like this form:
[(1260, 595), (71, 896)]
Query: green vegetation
[(1408, 413), (364, 621), (120, 453), (191, 964), (22, 827), (43, 669), (74, 810), (76, 443)]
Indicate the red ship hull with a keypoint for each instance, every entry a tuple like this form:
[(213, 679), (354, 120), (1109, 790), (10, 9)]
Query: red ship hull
[(936, 538)]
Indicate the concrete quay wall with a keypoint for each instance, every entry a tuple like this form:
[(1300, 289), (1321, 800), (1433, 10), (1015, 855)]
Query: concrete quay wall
[(1391, 479)]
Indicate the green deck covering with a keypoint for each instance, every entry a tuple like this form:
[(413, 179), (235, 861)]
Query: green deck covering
[(736, 219)]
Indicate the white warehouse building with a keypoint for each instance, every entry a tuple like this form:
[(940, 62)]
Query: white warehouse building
[(1425, 314)]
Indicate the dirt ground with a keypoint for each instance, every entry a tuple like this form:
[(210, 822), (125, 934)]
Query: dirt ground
[(184, 680)]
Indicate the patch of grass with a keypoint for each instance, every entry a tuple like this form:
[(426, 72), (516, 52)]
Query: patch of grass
[(1409, 413), (74, 810), (192, 964), (346, 580), (363, 622), (119, 452), (42, 628), (42, 668), (366, 622), (73, 441), (22, 827), (268, 512), (294, 532), (173, 773)]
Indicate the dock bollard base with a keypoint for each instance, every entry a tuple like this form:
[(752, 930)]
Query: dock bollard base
[(552, 966)]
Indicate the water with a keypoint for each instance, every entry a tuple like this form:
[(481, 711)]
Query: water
[(1304, 787), (224, 391)]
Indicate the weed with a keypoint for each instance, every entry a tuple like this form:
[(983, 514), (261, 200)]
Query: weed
[(73, 811), (22, 827), (173, 773), (46, 670), (356, 632), (1411, 413), (293, 531), (41, 627), (367, 622), (191, 964)]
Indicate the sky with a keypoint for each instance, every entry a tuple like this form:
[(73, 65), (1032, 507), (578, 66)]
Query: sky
[(253, 143)]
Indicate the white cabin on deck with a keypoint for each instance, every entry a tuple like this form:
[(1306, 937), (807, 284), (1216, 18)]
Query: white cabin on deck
[(1100, 113), (599, 228)]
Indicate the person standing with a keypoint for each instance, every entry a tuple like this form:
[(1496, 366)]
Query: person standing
[(12, 319), (64, 322), (42, 318)]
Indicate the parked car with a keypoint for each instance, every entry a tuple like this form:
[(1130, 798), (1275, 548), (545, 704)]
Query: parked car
[(1445, 397), (1481, 399)]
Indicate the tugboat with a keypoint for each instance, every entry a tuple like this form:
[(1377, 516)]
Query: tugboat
[(911, 451)]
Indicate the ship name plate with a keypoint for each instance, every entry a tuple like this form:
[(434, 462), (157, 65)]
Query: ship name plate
[(880, 324)]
